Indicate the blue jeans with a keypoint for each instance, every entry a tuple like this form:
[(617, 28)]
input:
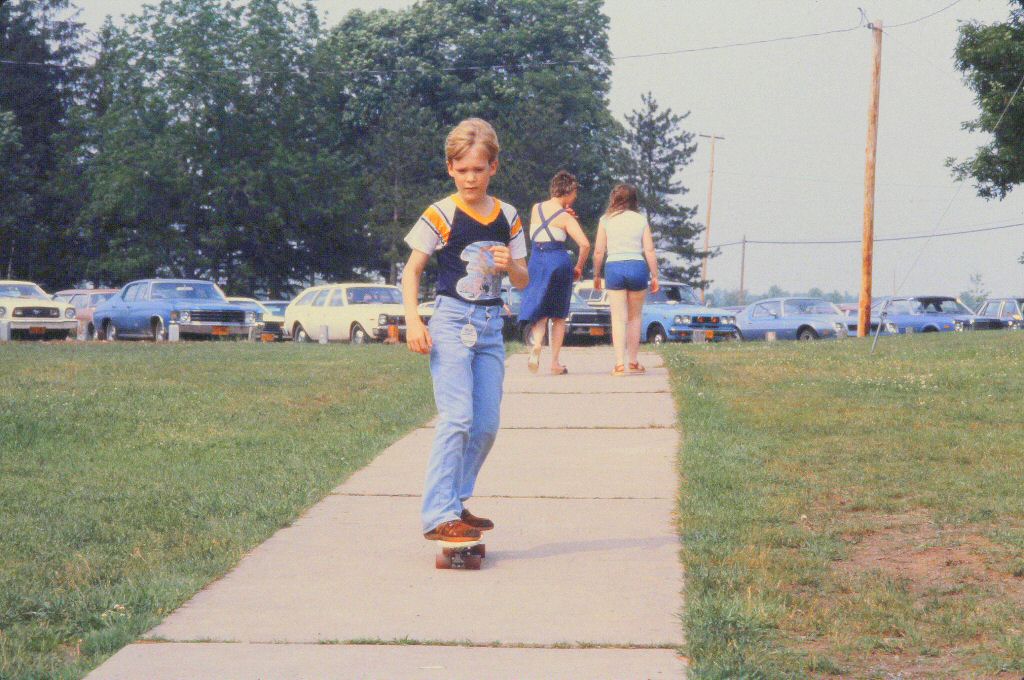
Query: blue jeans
[(467, 391)]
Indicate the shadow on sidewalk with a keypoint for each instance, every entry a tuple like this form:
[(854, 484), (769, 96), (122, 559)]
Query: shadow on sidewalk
[(569, 547)]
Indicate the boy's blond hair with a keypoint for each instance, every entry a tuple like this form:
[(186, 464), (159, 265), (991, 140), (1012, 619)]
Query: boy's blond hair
[(468, 133)]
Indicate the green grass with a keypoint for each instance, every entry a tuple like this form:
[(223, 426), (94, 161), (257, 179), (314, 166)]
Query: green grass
[(131, 475), (853, 515)]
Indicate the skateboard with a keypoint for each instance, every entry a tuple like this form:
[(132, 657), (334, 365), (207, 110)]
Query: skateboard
[(468, 555)]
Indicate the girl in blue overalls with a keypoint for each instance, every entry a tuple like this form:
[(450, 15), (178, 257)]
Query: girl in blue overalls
[(551, 272)]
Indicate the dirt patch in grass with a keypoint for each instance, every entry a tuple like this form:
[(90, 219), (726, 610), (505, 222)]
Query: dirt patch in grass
[(930, 558)]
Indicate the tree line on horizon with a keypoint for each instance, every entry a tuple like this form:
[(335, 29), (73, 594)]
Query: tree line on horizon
[(250, 145)]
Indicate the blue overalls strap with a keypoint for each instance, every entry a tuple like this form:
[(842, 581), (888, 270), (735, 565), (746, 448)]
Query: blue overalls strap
[(544, 222)]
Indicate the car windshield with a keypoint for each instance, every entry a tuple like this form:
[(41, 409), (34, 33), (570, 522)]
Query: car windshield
[(674, 295), (382, 295), (809, 306), (100, 297), (276, 307), (943, 306), (186, 291), (22, 290)]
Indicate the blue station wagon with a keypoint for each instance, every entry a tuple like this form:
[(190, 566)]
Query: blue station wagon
[(1009, 311), (792, 319), (148, 308)]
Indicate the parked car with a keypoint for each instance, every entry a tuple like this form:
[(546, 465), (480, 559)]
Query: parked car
[(586, 321), (150, 307), (355, 312), (906, 315), (792, 319), (950, 306), (32, 314), (1009, 311), (675, 314), (85, 301), (272, 323)]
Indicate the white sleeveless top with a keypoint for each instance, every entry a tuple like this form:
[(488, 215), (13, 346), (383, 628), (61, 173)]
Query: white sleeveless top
[(625, 235)]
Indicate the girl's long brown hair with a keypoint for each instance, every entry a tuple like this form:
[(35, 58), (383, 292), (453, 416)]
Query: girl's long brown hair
[(623, 197)]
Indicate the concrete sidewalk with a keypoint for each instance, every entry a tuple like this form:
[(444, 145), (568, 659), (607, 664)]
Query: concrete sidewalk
[(582, 577)]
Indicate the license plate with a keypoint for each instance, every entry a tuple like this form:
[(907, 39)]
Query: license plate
[(710, 335), (597, 332), (267, 337), (220, 330), (37, 330)]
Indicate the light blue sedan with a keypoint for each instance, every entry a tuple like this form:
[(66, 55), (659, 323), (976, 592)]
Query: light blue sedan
[(791, 319)]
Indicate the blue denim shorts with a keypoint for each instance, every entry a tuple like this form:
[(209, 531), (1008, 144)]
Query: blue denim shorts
[(627, 275)]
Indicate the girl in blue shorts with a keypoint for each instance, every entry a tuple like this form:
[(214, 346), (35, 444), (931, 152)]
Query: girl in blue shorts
[(624, 235)]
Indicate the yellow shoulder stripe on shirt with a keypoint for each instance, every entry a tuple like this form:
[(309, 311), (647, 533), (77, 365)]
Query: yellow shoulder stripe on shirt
[(437, 221)]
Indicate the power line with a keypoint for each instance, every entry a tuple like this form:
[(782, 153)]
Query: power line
[(857, 241), (926, 16)]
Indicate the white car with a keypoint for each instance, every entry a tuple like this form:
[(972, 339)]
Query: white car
[(28, 312), (352, 312)]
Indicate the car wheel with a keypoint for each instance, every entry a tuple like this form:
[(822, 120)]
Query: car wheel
[(930, 329), (299, 334), (157, 330), (110, 331), (90, 332), (358, 336), (656, 335), (807, 334)]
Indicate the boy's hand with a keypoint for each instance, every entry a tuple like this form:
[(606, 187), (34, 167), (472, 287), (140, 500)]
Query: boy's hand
[(502, 258), (417, 337)]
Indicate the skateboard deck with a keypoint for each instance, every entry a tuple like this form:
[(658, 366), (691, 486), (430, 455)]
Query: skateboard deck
[(468, 555)]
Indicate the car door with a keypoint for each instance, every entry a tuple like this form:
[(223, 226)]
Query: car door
[(141, 311), (120, 305), (763, 318), (316, 314), (335, 313)]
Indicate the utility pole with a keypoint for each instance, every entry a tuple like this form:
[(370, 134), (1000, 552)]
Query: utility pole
[(743, 268), (867, 249), (707, 222)]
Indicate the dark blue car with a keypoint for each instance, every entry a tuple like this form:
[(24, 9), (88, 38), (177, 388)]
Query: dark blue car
[(151, 308), (1009, 311)]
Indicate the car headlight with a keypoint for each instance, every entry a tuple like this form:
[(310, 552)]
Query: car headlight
[(3, 312), (892, 328), (687, 319), (250, 317), (958, 325), (382, 320), (677, 320), (185, 317), (730, 320), (69, 313)]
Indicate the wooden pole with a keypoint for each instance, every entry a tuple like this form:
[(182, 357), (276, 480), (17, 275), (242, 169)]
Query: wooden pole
[(867, 249), (743, 268), (707, 222)]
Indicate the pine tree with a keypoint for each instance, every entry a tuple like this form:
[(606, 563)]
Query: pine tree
[(655, 149)]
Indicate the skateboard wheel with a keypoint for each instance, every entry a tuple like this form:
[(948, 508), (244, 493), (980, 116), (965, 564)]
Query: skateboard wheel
[(473, 561), (442, 562)]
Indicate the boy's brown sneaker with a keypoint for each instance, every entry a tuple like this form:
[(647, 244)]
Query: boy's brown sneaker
[(481, 523), (453, 531)]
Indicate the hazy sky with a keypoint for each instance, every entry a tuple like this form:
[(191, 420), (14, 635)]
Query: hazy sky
[(794, 118)]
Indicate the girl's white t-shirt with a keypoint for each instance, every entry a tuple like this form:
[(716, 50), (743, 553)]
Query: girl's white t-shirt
[(625, 231)]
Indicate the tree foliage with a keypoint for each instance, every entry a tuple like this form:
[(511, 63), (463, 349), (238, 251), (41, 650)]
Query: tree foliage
[(992, 60), (35, 239), (655, 148)]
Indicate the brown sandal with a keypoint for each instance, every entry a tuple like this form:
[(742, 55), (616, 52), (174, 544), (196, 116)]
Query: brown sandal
[(561, 370), (619, 370), (636, 367)]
